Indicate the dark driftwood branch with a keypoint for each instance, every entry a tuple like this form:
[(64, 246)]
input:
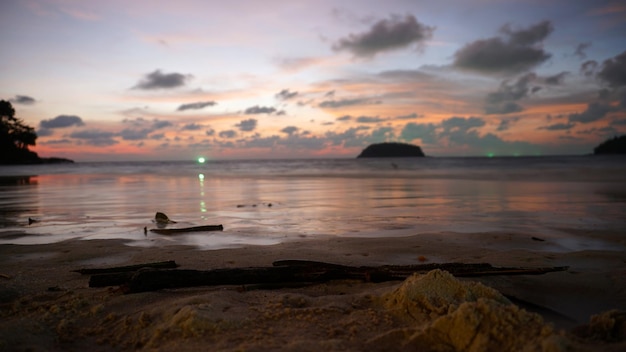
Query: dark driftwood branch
[(170, 264), (188, 229), (294, 271)]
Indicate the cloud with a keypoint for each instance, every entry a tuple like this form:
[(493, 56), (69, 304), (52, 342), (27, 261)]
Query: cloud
[(210, 132), (503, 101), (461, 124), (247, 125), (254, 110), (580, 50), (23, 99), (228, 134), (594, 112), (506, 123), (393, 33), (589, 68), (369, 119), (408, 117), (195, 106), (192, 127), (344, 118), (134, 134), (557, 127), (285, 94), (62, 121), (556, 79), (426, 132), (159, 80), (517, 51), (347, 102), (613, 71), (95, 137), (290, 130)]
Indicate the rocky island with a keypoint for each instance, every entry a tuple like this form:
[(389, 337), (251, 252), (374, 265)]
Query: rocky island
[(615, 145), (391, 150)]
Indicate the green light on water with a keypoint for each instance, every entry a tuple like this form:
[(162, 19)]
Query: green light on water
[(201, 160), (490, 155)]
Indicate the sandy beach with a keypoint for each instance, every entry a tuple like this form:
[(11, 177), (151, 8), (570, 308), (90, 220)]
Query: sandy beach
[(47, 307)]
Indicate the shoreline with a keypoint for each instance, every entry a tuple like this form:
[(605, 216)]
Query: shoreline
[(36, 277)]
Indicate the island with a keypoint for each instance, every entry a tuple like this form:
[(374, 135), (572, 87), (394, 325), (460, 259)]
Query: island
[(15, 137), (391, 150), (615, 145)]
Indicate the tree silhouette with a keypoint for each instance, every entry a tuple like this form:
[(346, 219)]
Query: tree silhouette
[(15, 137)]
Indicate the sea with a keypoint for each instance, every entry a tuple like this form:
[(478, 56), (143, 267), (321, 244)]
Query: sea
[(264, 202)]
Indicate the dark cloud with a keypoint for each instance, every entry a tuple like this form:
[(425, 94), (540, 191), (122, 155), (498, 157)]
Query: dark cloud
[(613, 71), (62, 121), (504, 100), (506, 123), (408, 117), (210, 132), (518, 51), (247, 125), (192, 127), (23, 99), (594, 112), (228, 134), (134, 134), (95, 137), (369, 119), (556, 79), (159, 80), (158, 124), (393, 33), (426, 132), (285, 94), (254, 110), (290, 130), (344, 118), (195, 106), (580, 50), (557, 127), (347, 102), (589, 68), (461, 124)]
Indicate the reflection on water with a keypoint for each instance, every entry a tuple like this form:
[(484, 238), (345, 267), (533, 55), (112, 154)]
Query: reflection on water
[(275, 206), (16, 199)]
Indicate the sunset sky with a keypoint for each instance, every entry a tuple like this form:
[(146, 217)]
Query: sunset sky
[(170, 80)]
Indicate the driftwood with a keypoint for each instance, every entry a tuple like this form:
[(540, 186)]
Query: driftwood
[(188, 229), (293, 271)]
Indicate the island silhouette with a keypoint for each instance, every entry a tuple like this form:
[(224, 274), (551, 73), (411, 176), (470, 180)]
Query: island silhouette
[(391, 150)]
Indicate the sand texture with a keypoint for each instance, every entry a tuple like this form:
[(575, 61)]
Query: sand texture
[(47, 307)]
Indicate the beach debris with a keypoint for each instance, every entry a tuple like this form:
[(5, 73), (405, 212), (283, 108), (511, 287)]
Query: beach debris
[(162, 219), (537, 239), (32, 221), (291, 272), (145, 230), (188, 229)]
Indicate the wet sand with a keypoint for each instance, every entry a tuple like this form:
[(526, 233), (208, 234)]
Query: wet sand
[(47, 307)]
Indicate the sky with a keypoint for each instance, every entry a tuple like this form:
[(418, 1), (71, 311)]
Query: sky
[(176, 80)]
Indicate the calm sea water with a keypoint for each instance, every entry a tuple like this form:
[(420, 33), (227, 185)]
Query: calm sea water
[(266, 202)]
